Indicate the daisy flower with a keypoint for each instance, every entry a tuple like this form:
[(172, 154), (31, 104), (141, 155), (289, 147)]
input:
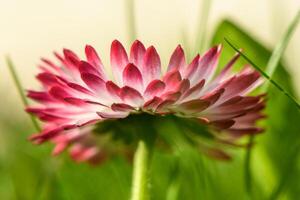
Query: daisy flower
[(77, 95)]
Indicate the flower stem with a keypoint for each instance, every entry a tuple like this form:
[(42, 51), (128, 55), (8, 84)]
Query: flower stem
[(140, 183)]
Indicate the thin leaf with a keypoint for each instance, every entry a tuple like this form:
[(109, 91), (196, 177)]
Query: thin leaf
[(280, 48), (19, 87), (264, 74), (271, 67), (202, 26), (131, 20)]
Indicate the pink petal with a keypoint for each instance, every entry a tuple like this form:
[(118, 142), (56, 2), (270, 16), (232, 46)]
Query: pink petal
[(193, 106), (131, 96), (152, 104), (122, 107), (207, 65), (51, 64), (172, 79), (194, 92), (240, 85), (79, 88), (223, 124), (155, 87), (85, 67), (71, 58), (132, 77), (151, 68), (42, 97), (59, 148), (112, 114), (192, 67), (177, 60), (214, 96), (118, 59), (174, 96), (183, 86), (94, 60), (137, 53), (48, 79), (59, 93), (227, 68), (75, 101), (163, 107), (94, 82), (113, 89)]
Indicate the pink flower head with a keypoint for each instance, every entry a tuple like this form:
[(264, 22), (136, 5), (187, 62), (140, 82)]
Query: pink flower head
[(77, 94)]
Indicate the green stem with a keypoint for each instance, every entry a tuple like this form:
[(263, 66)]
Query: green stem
[(19, 87), (140, 184)]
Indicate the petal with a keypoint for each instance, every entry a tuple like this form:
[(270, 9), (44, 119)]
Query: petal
[(214, 96), (177, 60), (191, 68), (207, 65), (48, 79), (174, 96), (183, 86), (118, 59), (193, 106), (131, 96), (164, 106), (59, 93), (85, 67), (113, 89), (42, 97), (75, 101), (151, 68), (132, 77), (137, 53), (93, 58), (223, 124), (172, 79), (72, 60), (80, 89), (194, 92), (122, 107), (155, 87), (227, 68), (240, 85), (152, 104), (51, 64), (94, 82), (112, 114)]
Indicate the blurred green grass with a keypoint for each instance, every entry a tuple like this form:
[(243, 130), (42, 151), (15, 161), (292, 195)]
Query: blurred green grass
[(29, 172)]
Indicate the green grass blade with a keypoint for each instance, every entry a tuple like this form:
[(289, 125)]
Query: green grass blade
[(264, 74), (202, 26), (280, 48), (270, 69), (19, 87), (130, 14)]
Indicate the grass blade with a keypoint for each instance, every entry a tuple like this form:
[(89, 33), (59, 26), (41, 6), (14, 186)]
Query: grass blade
[(19, 87), (130, 14), (264, 74), (202, 26), (280, 48)]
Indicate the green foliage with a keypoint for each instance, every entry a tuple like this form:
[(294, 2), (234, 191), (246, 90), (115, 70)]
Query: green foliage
[(281, 140), (29, 172)]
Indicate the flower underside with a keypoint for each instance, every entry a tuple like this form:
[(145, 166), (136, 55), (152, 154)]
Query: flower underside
[(78, 98)]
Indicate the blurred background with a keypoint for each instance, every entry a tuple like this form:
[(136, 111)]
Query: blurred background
[(35, 28)]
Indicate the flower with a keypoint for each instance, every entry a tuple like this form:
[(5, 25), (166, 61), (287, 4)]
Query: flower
[(78, 94)]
